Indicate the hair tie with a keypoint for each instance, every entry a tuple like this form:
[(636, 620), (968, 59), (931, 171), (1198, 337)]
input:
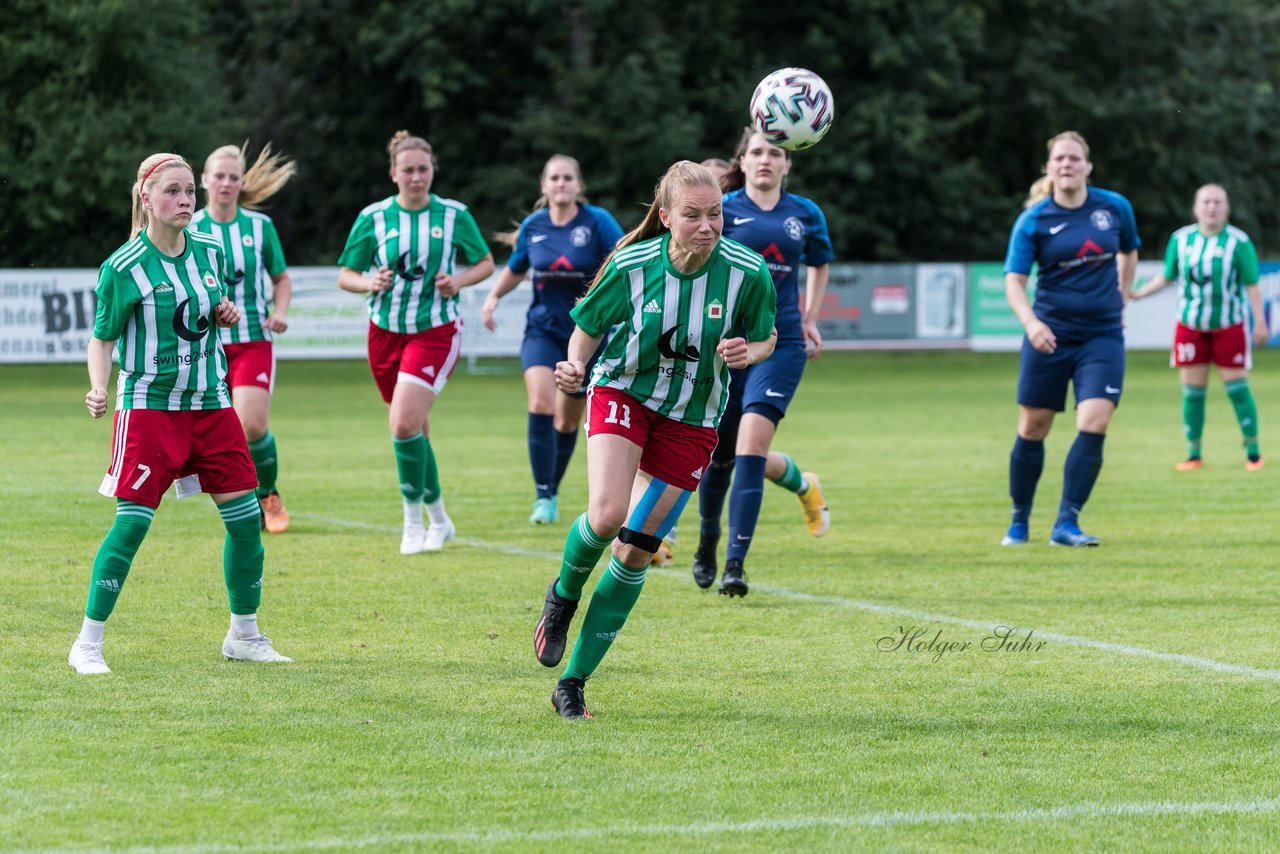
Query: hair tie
[(163, 161)]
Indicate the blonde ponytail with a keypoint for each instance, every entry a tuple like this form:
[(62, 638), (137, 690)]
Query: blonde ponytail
[(259, 182), (675, 180)]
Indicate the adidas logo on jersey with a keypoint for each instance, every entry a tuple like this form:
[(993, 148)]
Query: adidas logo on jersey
[(429, 371), (164, 288), (652, 307), (109, 584), (263, 378), (697, 475)]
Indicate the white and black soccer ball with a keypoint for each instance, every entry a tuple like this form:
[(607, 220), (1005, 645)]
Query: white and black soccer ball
[(792, 108)]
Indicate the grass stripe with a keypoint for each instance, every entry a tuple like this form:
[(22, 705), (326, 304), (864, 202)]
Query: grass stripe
[(872, 607)]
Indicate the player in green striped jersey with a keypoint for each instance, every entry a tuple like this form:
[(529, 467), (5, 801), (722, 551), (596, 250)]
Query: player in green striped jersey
[(685, 305), (159, 295), (406, 253), (254, 261), (1217, 264)]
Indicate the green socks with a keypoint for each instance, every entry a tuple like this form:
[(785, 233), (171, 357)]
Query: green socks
[(115, 556), (582, 550), (241, 557), (1246, 414), (1193, 418), (792, 480), (263, 452), (431, 479), (416, 463), (612, 601), (411, 463), (242, 553)]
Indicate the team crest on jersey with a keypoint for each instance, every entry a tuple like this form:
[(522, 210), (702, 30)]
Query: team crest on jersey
[(580, 236), (715, 310), (1102, 220), (210, 281), (794, 228), (163, 288), (247, 240), (437, 231)]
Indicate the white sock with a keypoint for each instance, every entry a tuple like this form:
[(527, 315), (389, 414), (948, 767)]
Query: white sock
[(91, 631), (435, 512), (804, 485), (413, 513), (244, 626)]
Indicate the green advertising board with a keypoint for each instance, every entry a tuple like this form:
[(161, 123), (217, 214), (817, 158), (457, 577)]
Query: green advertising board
[(992, 324)]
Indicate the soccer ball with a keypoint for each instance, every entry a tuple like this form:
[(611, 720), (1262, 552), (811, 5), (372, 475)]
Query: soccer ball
[(792, 108)]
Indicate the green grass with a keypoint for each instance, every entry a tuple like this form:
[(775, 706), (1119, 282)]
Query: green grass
[(415, 716)]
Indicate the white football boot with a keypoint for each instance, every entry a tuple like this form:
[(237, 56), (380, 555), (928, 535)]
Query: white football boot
[(438, 535), (87, 658), (251, 649)]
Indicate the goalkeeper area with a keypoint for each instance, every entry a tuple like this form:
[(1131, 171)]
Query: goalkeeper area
[(903, 683)]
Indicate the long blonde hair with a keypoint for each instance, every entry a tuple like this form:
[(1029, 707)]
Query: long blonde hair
[(259, 182), (509, 237), (680, 176), (149, 171), (1043, 186)]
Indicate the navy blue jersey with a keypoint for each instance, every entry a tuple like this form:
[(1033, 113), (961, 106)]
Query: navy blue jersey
[(793, 233), (564, 259), (1077, 288)]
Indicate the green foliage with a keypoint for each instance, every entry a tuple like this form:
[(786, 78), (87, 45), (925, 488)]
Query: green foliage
[(942, 107), (87, 91)]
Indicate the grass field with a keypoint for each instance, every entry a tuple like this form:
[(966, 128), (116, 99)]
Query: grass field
[(415, 716)]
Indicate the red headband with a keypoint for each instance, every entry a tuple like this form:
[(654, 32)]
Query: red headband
[(162, 161)]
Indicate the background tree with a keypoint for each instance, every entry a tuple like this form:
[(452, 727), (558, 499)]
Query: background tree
[(942, 108)]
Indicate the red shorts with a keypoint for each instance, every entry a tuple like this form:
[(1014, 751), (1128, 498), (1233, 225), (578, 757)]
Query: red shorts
[(251, 363), (154, 447), (1227, 347), (424, 358), (674, 452)]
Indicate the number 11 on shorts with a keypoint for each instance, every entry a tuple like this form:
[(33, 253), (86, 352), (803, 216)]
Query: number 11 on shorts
[(612, 417)]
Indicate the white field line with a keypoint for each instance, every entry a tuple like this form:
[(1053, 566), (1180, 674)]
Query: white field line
[(873, 607), (866, 821)]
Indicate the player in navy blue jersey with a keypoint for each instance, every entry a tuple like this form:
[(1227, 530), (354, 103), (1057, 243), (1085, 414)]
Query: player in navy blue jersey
[(563, 242), (789, 231), (1086, 243)]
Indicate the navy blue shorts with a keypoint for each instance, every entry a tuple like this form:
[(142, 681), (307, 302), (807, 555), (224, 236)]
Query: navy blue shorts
[(1095, 368), (773, 382), (765, 389), (542, 349)]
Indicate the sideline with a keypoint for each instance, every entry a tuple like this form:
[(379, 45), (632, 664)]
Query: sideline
[(872, 607), (867, 821)]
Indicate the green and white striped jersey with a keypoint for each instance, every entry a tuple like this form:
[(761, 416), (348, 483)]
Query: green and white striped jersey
[(252, 249), (1214, 271), (416, 245), (663, 353), (160, 310)]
